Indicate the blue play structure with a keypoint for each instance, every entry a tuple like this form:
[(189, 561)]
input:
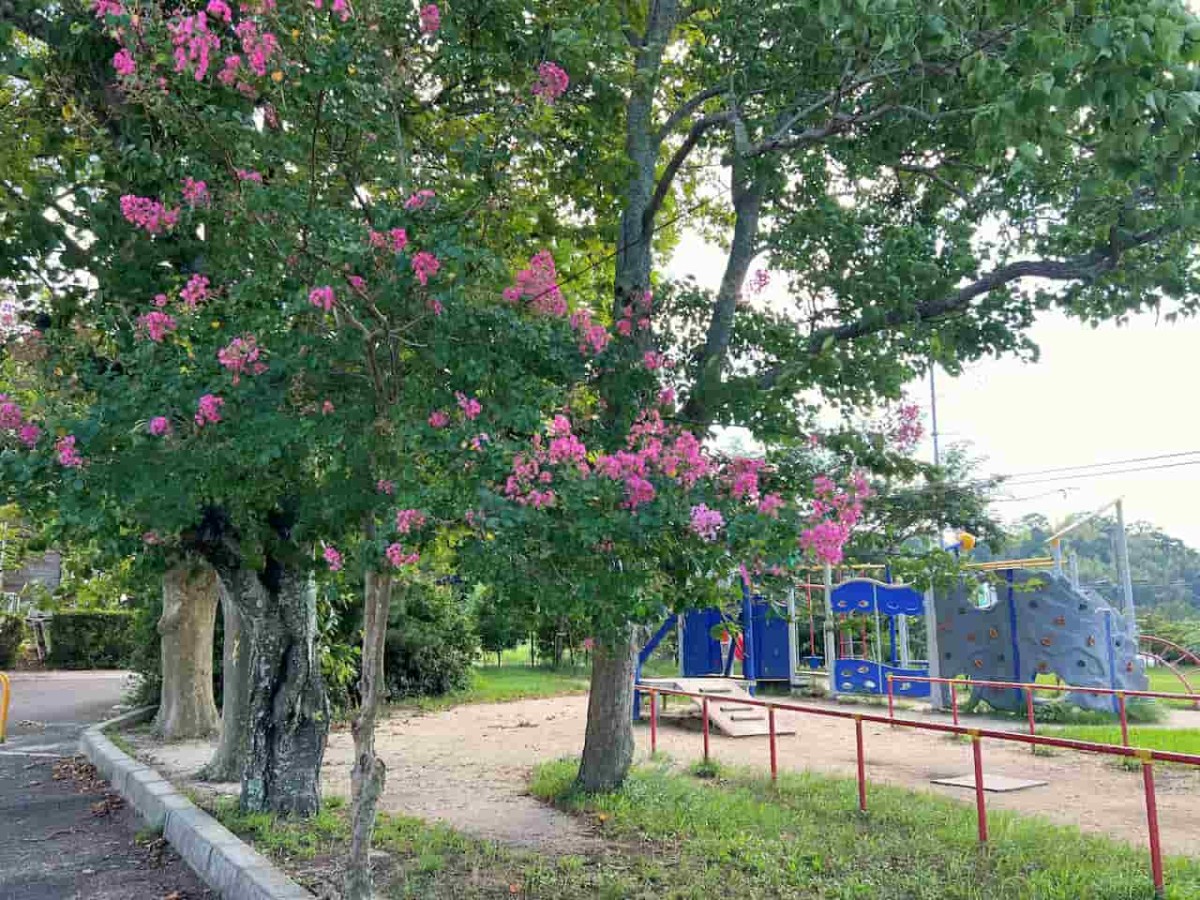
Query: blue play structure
[(870, 598)]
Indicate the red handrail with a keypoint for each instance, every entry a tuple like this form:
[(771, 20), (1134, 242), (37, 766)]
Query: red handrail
[(1146, 756)]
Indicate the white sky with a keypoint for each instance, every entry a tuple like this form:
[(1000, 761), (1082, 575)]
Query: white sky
[(1096, 396)]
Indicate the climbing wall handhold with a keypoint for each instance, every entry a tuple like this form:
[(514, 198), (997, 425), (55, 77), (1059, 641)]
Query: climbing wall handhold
[(1060, 620), (979, 663), (993, 633), (1091, 641), (971, 637), (1047, 641)]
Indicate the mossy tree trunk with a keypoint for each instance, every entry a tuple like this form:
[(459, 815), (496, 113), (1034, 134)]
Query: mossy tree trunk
[(608, 741), (187, 710)]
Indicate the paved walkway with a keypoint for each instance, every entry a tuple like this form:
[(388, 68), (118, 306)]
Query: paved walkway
[(63, 835)]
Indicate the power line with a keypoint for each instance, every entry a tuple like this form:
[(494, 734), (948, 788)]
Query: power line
[(1135, 471), (1101, 465)]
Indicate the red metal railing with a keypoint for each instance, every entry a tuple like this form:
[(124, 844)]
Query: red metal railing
[(1029, 688), (1147, 757)]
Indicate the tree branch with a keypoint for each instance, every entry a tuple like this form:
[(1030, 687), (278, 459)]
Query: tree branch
[(676, 161), (932, 174)]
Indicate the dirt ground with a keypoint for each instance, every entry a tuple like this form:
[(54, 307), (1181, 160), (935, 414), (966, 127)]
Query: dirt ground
[(468, 767)]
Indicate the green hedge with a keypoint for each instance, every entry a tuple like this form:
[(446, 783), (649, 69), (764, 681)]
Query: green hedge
[(12, 633), (91, 640)]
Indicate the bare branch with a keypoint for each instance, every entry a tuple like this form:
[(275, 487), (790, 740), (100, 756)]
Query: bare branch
[(677, 159), (932, 174)]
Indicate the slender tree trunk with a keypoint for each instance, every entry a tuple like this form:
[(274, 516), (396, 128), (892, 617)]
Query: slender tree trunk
[(369, 775), (288, 710), (187, 710), (608, 740), (228, 761)]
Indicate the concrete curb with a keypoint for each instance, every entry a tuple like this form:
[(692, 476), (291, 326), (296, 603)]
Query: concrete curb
[(225, 863)]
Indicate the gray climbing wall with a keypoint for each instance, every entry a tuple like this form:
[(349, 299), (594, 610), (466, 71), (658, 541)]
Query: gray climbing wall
[(1059, 631)]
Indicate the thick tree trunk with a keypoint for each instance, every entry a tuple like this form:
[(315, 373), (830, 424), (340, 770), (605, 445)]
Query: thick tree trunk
[(228, 761), (369, 774), (287, 706), (187, 710), (608, 740)]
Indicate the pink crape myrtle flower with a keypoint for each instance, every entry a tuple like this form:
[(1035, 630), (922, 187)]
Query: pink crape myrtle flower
[(408, 520), (327, 407), (258, 47), (384, 486), (439, 419), (398, 557), (431, 18), (248, 175), (471, 408), (102, 8), (123, 63), (195, 193), (242, 356), (11, 416), (770, 505), (219, 9), (151, 538), (159, 426), (156, 325), (195, 291), (194, 44), (653, 360), (333, 558), (551, 83), (231, 71), (321, 297), (425, 265), (29, 435), (420, 199), (707, 523), (358, 283), (538, 284), (148, 214), (908, 430), (67, 452), (208, 410)]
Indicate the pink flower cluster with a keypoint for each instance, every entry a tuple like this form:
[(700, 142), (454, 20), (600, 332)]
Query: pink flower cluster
[(471, 408), (195, 291), (770, 505), (425, 265), (148, 214), (333, 558), (551, 83), (640, 310), (321, 297), (194, 44), (384, 486), (538, 284), (439, 419), (743, 477), (248, 175), (260, 46), (431, 18), (242, 355), (208, 410), (159, 426), (123, 63), (103, 8), (68, 453), (759, 281), (13, 419), (195, 193), (398, 557), (409, 520), (156, 325), (593, 337), (907, 429), (420, 199), (705, 522), (834, 514), (397, 238)]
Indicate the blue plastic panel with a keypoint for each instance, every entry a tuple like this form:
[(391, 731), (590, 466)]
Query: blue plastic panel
[(860, 595), (701, 651), (771, 657), (861, 676)]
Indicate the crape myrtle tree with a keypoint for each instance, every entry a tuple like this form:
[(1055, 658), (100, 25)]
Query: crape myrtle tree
[(296, 352), (924, 177)]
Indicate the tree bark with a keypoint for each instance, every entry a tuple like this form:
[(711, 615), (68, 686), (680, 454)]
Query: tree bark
[(288, 710), (369, 775), (608, 740), (227, 762), (187, 710)]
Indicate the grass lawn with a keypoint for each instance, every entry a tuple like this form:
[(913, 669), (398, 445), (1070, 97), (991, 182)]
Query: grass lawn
[(1179, 740), (1163, 679), (673, 835), (497, 684)]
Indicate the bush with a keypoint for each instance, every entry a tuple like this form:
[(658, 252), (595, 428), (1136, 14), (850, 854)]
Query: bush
[(12, 633), (430, 642), (91, 640)]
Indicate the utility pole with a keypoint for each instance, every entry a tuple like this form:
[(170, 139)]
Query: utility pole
[(937, 460)]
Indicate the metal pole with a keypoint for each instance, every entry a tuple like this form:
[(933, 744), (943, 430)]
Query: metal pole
[(954, 701), (654, 721), (862, 772), (793, 636), (774, 757), (1029, 712), (1156, 866), (937, 458), (704, 710), (1123, 561), (830, 638), (980, 803), (937, 696), (1124, 718), (891, 698)]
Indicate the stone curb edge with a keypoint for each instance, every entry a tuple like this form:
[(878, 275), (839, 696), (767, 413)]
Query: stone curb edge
[(224, 862)]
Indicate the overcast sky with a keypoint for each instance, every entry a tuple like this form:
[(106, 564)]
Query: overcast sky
[(1096, 396)]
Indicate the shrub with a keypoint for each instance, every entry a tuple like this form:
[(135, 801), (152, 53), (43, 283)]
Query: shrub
[(12, 633), (91, 640), (430, 642)]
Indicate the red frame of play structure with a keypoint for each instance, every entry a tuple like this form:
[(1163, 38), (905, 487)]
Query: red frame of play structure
[(1145, 756)]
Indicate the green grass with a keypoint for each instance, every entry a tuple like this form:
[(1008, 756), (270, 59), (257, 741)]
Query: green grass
[(673, 836), (1163, 679), (1178, 740), (498, 684), (739, 836)]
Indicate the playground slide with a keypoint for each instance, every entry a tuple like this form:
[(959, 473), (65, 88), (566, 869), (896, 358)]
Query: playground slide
[(725, 713)]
